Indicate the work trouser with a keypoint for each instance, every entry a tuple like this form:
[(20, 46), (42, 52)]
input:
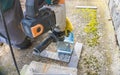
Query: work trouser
[(12, 18)]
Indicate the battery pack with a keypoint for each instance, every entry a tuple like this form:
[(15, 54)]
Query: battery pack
[(53, 2)]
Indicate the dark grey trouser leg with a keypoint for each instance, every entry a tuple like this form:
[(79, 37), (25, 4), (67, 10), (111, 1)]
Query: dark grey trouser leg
[(13, 18)]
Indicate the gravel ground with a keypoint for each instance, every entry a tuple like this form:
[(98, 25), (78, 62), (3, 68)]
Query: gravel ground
[(102, 59)]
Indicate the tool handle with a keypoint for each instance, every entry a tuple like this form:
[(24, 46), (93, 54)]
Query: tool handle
[(43, 45)]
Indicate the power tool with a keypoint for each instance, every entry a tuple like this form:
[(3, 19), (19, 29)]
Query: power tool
[(40, 19)]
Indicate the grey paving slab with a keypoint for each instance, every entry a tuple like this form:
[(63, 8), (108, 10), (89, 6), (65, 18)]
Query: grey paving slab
[(64, 57), (55, 56), (76, 55)]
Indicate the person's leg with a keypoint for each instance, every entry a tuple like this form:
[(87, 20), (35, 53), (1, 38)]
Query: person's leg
[(13, 18)]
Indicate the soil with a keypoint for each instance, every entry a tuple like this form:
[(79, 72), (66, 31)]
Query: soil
[(102, 59)]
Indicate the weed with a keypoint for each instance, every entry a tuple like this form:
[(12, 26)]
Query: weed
[(91, 29), (91, 63)]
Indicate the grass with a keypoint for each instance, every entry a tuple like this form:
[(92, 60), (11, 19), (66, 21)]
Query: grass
[(90, 64), (91, 29)]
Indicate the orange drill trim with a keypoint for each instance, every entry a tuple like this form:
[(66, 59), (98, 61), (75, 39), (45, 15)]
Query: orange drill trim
[(62, 2), (35, 31)]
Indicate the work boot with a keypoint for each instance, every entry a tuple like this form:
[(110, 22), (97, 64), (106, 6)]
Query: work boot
[(1, 44), (25, 44)]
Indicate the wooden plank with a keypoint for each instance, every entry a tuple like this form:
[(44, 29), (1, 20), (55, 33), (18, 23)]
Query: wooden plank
[(24, 69), (38, 68), (82, 7)]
